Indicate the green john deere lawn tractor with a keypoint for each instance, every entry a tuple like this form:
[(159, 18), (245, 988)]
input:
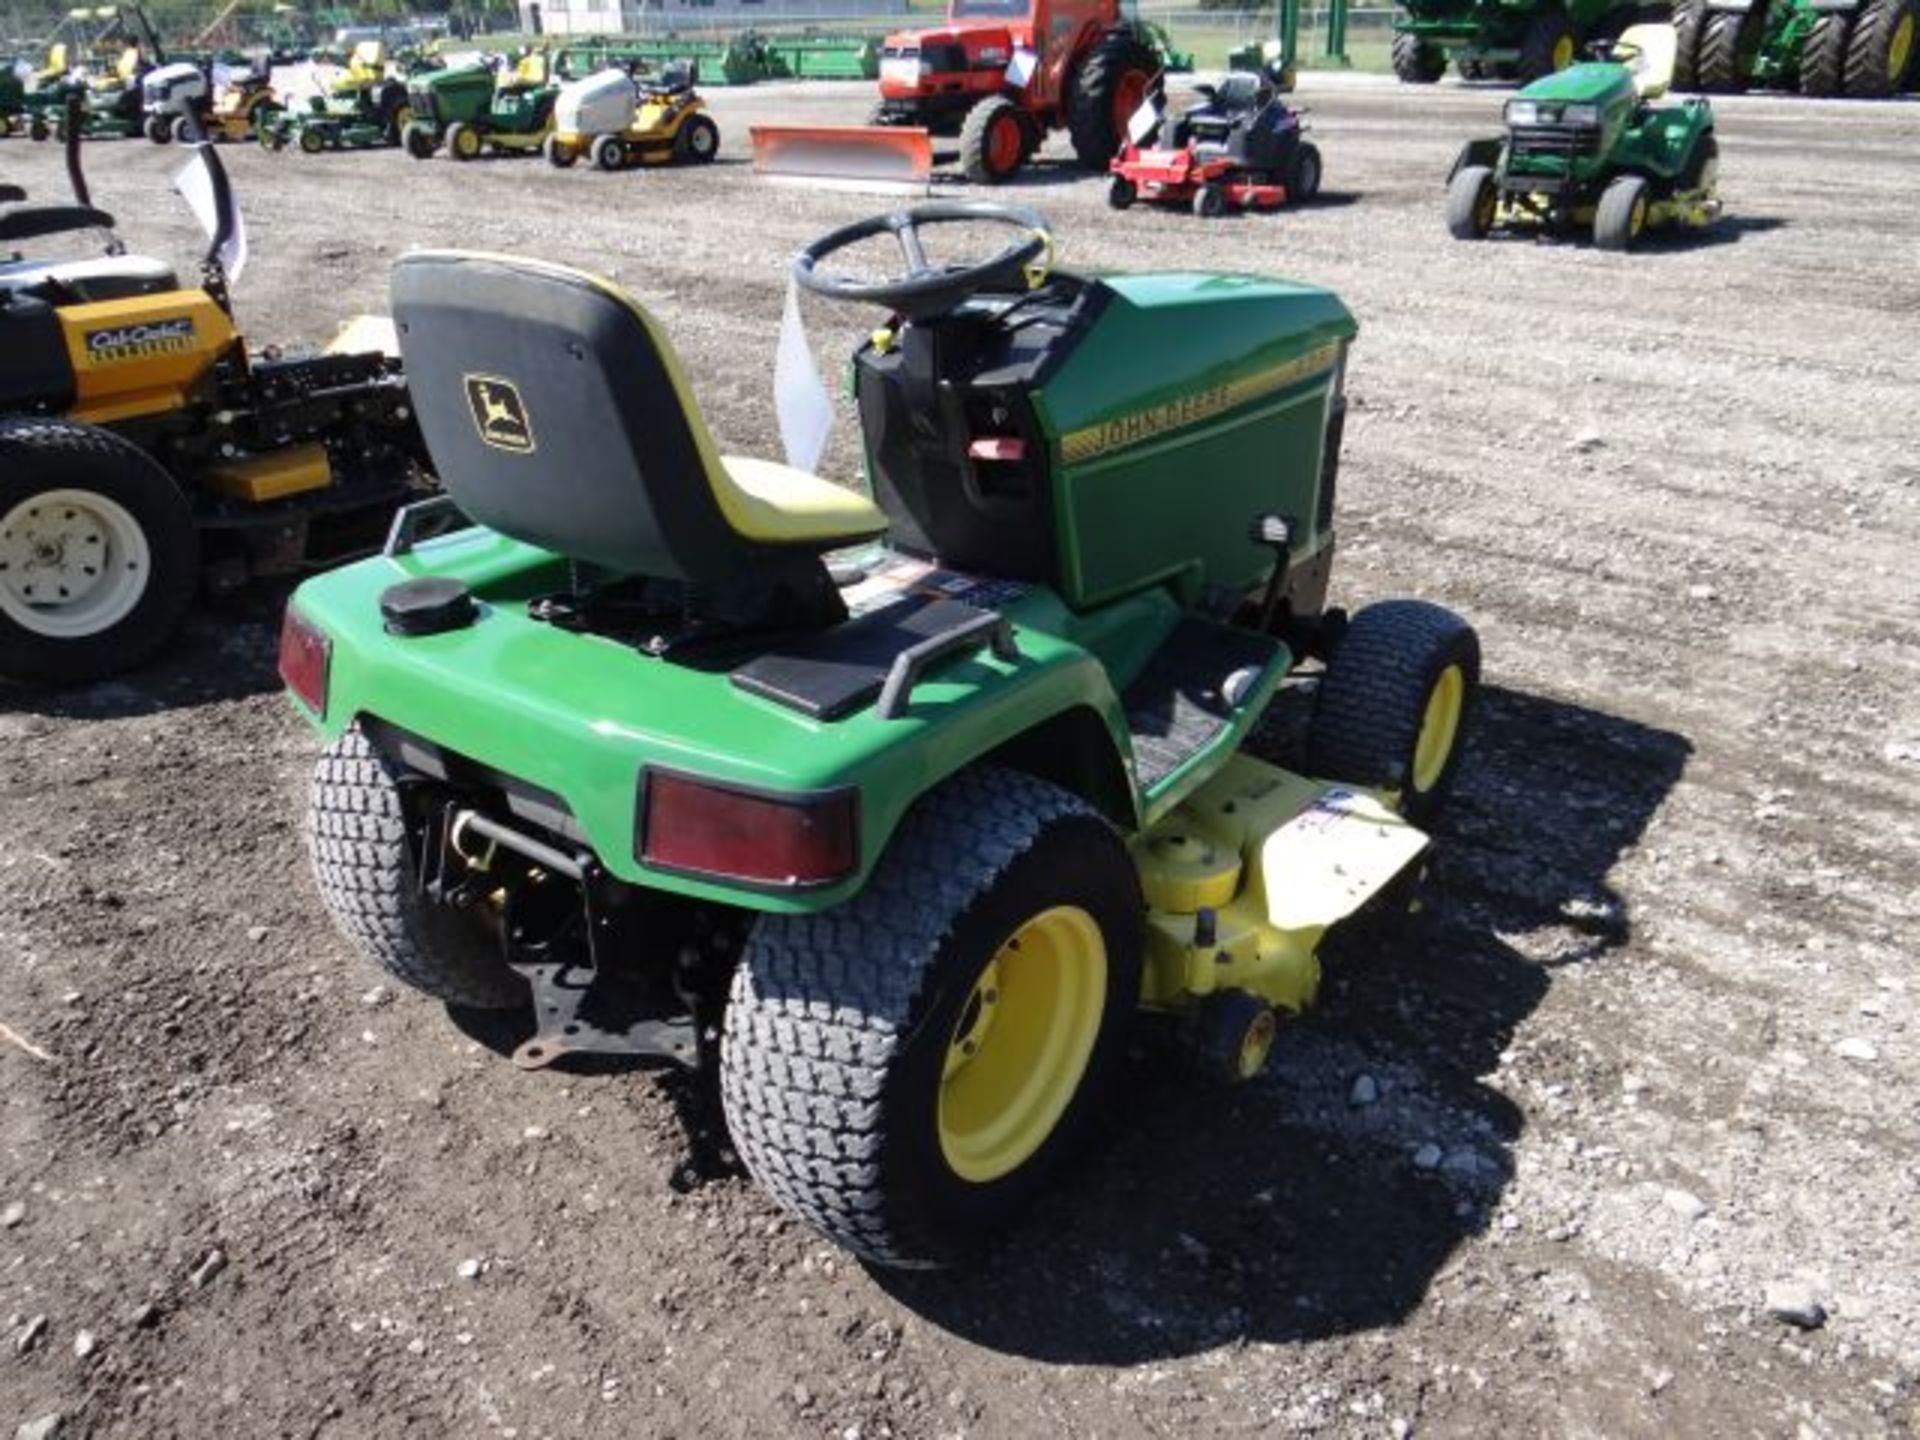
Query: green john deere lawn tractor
[(1588, 149), (1866, 49), (364, 107), (895, 813), (471, 110), (1500, 39)]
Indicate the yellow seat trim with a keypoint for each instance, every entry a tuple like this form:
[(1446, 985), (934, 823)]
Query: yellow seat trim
[(1658, 47), (777, 505)]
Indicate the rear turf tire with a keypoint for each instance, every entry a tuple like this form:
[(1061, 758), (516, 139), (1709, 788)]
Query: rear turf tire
[(697, 142), (98, 555), (1113, 79), (840, 1068), (1689, 16), (1823, 59), (1303, 177), (1472, 203), (992, 141), (1884, 49), (363, 861), (1721, 63), (1620, 219), (1548, 44), (1396, 702), (1210, 202), (1416, 62)]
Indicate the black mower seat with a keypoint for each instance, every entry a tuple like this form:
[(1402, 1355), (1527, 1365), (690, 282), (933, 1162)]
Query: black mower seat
[(556, 413), (103, 277)]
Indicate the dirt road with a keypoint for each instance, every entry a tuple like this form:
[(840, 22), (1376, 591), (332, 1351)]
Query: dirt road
[(1654, 1050)]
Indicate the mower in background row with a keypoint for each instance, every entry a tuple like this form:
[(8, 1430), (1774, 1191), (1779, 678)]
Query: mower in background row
[(1240, 148)]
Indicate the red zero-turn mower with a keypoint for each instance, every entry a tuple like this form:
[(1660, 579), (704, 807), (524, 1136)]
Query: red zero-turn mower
[(1240, 147)]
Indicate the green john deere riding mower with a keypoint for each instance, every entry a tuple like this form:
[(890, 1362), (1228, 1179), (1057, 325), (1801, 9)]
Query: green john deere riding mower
[(471, 110), (364, 107), (1865, 49), (894, 811), (1588, 149), (1499, 39)]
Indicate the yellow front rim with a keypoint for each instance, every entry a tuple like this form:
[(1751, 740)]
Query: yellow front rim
[(1900, 48), (1638, 222), (1563, 52), (1439, 727), (1021, 1043), (469, 143)]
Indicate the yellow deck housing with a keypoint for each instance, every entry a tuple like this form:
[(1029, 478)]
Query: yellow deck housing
[(274, 476)]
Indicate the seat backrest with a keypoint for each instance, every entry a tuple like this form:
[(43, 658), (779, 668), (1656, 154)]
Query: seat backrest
[(128, 65), (531, 71), (556, 413), (1655, 48), (57, 59), (369, 59)]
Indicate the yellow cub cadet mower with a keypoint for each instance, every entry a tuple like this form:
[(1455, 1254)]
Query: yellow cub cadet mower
[(143, 447), (617, 120)]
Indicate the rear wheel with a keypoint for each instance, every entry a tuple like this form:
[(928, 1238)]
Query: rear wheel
[(1303, 177), (697, 142), (1122, 192), (1689, 16), (420, 142), (1883, 49), (608, 152), (559, 154), (464, 142), (1722, 62), (1547, 45), (904, 1071), (1620, 219), (1472, 203), (1110, 85), (1396, 701), (97, 553), (312, 142), (363, 860), (157, 129), (1823, 59), (1209, 202), (1416, 62), (182, 134), (992, 141), (37, 129), (398, 119)]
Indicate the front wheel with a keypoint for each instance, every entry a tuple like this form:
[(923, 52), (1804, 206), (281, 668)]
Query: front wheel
[(419, 141), (37, 129), (97, 553), (181, 131), (904, 1071), (993, 141), (464, 142), (157, 129), (559, 153), (312, 142), (608, 152), (1473, 202), (1620, 219)]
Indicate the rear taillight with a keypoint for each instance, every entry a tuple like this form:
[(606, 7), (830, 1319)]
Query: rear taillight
[(305, 653), (761, 839)]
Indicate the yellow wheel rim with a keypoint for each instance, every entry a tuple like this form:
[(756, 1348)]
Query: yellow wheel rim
[(1638, 221), (469, 143), (1563, 52), (1256, 1044), (1021, 1043), (1486, 209), (1439, 728), (1900, 47)]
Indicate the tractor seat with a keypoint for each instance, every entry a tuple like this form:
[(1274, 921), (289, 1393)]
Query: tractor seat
[(104, 277), (1658, 47), (556, 413)]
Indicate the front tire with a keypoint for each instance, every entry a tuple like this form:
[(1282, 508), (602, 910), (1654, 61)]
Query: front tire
[(312, 142), (363, 861), (157, 129), (993, 141), (1396, 703), (608, 152), (98, 554), (1111, 84), (904, 1071), (1620, 219), (420, 142), (560, 155), (1416, 62), (1472, 203)]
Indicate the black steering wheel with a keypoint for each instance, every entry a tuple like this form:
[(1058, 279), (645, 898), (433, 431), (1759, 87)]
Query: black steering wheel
[(927, 289)]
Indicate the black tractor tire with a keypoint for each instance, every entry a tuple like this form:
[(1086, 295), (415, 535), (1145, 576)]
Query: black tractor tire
[(1689, 17), (1374, 707), (1122, 192), (1417, 62), (608, 152), (841, 1026), (697, 141), (45, 458), (157, 129), (1823, 57), (465, 142), (561, 157), (312, 142), (38, 129), (419, 141), (1119, 61), (1548, 44), (364, 863), (1472, 202), (1210, 201), (1721, 64), (984, 156), (1876, 66), (1303, 175), (1620, 219), (1470, 70)]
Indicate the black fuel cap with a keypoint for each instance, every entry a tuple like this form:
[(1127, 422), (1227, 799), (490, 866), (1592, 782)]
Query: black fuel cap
[(428, 606)]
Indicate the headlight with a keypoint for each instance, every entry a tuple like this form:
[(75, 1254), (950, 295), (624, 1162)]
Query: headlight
[(1522, 112), (901, 71), (1583, 116), (991, 55)]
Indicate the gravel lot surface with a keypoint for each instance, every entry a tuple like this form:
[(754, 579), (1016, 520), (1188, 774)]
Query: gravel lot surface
[(1641, 1084)]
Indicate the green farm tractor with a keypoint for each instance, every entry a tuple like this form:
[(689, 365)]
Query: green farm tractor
[(1865, 49), (895, 811), (1587, 148), (1499, 39), (365, 107), (471, 110)]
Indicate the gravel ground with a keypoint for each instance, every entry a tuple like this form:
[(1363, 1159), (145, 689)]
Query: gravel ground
[(1644, 1076)]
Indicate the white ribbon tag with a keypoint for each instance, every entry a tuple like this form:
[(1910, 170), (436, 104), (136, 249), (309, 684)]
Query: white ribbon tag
[(1143, 122), (1020, 68), (196, 188), (800, 400)]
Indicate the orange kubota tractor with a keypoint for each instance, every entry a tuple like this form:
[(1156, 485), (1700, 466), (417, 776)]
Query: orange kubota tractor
[(1000, 75)]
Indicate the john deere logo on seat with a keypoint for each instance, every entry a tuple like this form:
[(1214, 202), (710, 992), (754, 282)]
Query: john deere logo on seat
[(500, 414)]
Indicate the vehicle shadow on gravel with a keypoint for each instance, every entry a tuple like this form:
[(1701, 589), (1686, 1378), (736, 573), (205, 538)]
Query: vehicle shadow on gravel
[(1298, 1208)]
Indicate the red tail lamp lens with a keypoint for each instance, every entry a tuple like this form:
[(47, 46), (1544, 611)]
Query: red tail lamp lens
[(737, 835), (305, 652)]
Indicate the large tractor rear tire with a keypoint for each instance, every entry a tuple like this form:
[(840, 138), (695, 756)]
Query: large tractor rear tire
[(1472, 203), (904, 1071), (1110, 85), (364, 863), (98, 555), (1689, 17), (1547, 45), (1823, 58), (1884, 49), (1416, 62), (1721, 62), (1396, 701), (992, 141)]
